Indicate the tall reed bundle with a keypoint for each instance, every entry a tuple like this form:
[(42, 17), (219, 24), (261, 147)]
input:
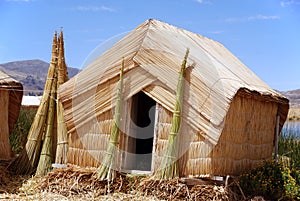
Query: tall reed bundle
[(169, 166), (106, 170), (62, 76), (62, 71), (26, 162), (45, 162)]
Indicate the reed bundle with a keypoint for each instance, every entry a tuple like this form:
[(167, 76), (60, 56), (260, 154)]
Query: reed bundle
[(45, 129), (44, 165), (62, 76), (169, 165), (29, 156), (106, 170), (62, 141)]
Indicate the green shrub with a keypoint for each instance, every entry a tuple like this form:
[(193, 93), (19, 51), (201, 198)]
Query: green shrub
[(18, 137), (272, 181), (289, 146)]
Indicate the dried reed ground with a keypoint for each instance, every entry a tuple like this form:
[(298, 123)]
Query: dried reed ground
[(74, 183)]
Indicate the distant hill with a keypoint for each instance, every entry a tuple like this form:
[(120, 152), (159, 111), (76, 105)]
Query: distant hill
[(31, 73), (294, 96)]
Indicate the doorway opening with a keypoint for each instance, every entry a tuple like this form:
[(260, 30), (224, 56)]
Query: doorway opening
[(142, 124)]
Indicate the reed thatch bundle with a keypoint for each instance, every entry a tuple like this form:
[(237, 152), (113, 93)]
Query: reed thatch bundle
[(106, 170), (62, 71), (45, 162), (48, 124), (62, 76), (29, 156), (169, 166)]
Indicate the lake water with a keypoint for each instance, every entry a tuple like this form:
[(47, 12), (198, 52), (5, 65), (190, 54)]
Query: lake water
[(291, 128)]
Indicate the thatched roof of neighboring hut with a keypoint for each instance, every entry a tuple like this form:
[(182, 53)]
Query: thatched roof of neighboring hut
[(15, 97), (153, 53)]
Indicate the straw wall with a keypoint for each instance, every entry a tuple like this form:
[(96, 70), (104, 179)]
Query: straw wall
[(15, 99), (15, 91), (89, 147), (163, 129), (11, 92), (246, 141), (5, 149)]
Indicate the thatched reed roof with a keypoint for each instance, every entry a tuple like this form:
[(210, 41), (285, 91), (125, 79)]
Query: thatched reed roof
[(15, 89), (153, 53)]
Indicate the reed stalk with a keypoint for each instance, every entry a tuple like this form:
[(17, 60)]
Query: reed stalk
[(45, 162), (27, 161), (62, 76), (106, 169), (169, 166)]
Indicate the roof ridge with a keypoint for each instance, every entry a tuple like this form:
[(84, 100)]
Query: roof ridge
[(146, 23)]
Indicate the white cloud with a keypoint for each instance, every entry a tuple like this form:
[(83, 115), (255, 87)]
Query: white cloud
[(203, 1), (289, 3), (252, 18), (264, 17), (94, 8)]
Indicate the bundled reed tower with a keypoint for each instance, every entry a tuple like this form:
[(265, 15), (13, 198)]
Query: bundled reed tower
[(46, 138)]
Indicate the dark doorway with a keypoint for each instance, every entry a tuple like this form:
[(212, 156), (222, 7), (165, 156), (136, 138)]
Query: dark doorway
[(142, 130)]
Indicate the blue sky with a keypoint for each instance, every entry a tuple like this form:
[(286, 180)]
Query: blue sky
[(263, 34)]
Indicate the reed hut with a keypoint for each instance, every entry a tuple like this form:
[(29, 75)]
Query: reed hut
[(11, 92), (229, 115)]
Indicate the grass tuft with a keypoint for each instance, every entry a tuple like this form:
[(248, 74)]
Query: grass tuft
[(289, 144), (18, 137)]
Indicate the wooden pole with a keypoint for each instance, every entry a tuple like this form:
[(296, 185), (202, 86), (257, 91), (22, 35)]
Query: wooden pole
[(276, 138)]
